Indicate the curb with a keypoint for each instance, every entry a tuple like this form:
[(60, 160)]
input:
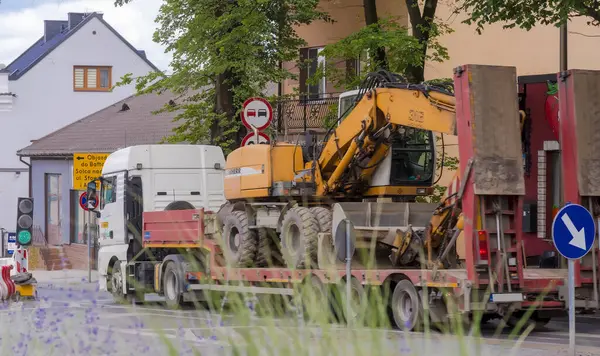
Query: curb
[(74, 285)]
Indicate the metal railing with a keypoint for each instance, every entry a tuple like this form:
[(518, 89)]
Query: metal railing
[(298, 114)]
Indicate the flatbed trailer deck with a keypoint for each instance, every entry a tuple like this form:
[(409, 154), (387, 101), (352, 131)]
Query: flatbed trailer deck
[(198, 230)]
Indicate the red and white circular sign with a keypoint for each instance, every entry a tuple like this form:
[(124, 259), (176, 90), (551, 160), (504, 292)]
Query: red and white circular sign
[(251, 138), (257, 112)]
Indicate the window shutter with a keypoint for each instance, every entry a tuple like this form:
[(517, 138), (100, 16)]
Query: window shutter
[(91, 78), (79, 76)]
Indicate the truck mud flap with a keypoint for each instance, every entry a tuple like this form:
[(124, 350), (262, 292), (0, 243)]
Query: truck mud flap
[(382, 220)]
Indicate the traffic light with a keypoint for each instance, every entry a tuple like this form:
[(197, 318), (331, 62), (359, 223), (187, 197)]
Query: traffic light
[(24, 221)]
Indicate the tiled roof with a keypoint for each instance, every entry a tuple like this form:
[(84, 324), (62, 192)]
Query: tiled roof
[(110, 129), (41, 48)]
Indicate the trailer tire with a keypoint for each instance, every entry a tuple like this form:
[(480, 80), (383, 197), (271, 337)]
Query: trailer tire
[(172, 286), (239, 241), (268, 254), (324, 217), (358, 301), (315, 300), (299, 238), (407, 309)]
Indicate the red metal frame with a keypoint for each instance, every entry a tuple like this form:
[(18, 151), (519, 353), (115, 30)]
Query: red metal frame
[(173, 228), (568, 148), (462, 94)]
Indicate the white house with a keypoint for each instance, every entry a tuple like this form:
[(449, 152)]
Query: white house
[(65, 75)]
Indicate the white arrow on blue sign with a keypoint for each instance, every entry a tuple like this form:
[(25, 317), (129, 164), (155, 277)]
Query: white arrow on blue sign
[(573, 231)]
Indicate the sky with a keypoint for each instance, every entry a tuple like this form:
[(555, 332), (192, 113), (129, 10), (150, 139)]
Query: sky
[(22, 23)]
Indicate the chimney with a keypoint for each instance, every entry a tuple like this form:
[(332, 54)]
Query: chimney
[(53, 28), (75, 19)]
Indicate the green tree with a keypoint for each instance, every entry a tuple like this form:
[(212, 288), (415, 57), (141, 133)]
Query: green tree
[(223, 52), (526, 14), (386, 43)]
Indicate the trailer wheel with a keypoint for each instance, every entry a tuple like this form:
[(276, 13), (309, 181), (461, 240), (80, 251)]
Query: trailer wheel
[(358, 301), (406, 306), (172, 286), (299, 238), (324, 217), (268, 254), (239, 241), (315, 300)]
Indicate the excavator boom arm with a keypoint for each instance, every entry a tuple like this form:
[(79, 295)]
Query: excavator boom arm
[(378, 110)]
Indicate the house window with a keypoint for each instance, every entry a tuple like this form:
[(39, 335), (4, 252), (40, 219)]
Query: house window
[(314, 91), (92, 78)]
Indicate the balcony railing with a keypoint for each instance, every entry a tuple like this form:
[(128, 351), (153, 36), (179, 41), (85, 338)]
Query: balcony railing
[(298, 115)]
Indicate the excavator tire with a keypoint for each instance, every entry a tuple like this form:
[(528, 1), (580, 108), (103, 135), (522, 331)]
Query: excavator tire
[(299, 238), (238, 240), (323, 216), (268, 254)]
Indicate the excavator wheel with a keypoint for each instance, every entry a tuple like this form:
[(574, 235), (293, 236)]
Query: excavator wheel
[(268, 254), (299, 238), (323, 216), (239, 241)]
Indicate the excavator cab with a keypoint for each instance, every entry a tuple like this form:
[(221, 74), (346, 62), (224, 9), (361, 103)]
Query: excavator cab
[(410, 162)]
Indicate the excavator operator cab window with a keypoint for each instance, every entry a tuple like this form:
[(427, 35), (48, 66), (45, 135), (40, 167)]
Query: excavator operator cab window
[(346, 101), (413, 157)]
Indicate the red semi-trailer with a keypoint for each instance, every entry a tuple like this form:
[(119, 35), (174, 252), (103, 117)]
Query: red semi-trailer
[(483, 283), (492, 277)]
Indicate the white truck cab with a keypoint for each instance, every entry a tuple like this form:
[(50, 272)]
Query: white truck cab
[(145, 178)]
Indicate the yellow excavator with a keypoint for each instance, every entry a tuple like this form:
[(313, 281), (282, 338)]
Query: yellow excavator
[(369, 169)]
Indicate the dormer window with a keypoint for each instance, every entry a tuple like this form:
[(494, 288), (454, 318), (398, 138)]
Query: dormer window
[(88, 78)]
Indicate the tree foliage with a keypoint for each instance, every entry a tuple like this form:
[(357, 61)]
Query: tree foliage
[(223, 53), (403, 51), (526, 14)]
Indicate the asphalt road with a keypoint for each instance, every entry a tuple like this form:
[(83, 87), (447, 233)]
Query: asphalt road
[(77, 321)]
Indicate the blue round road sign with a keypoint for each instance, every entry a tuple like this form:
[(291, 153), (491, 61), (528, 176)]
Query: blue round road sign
[(573, 231), (83, 202)]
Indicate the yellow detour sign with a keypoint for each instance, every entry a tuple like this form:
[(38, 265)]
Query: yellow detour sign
[(87, 166)]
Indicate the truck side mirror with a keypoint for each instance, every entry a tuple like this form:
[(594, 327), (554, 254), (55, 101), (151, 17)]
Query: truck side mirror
[(92, 197)]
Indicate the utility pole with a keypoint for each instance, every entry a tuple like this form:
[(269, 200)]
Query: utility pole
[(563, 47)]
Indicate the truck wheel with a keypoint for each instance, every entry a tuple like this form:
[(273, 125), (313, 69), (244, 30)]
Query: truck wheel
[(299, 238), (239, 241), (268, 254), (172, 286), (323, 216), (406, 306), (116, 283)]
